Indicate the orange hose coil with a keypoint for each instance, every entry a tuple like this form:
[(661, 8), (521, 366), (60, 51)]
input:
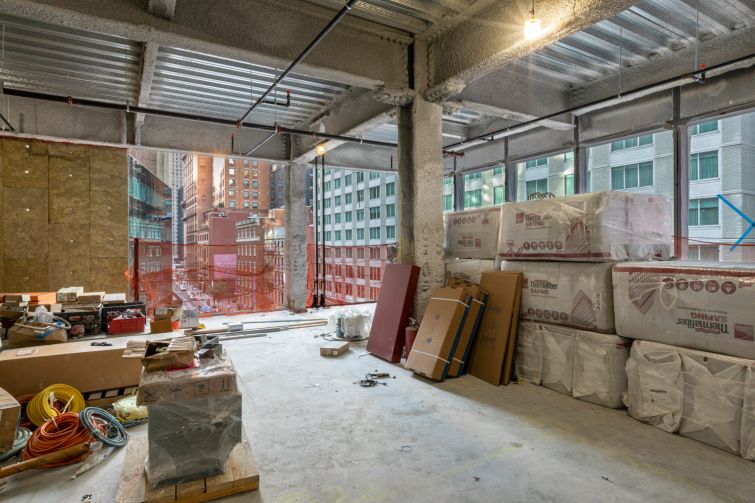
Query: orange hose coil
[(57, 434)]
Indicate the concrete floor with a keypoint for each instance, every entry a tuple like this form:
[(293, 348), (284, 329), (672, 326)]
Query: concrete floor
[(318, 437)]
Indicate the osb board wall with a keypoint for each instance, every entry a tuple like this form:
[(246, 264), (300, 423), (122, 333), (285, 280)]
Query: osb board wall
[(64, 216)]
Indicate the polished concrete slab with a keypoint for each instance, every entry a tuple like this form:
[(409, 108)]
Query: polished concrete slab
[(319, 437)]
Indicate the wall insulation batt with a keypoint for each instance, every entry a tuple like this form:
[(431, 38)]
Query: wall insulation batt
[(566, 293), (585, 365), (472, 233), (698, 305), (600, 226)]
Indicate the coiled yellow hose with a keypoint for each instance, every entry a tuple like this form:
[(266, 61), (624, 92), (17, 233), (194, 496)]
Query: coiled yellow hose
[(41, 407)]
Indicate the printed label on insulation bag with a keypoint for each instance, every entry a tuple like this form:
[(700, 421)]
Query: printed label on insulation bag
[(472, 234), (566, 293), (601, 226), (702, 306)]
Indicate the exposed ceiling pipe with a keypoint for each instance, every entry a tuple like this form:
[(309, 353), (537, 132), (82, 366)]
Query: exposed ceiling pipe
[(199, 118), (698, 77), (333, 22)]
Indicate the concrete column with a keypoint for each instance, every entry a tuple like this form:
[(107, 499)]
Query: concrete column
[(295, 186), (421, 186)]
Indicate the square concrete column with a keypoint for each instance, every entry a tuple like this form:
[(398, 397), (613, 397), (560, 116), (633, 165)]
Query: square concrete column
[(421, 189), (295, 186)]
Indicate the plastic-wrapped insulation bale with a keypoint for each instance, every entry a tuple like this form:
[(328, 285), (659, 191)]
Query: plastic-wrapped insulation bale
[(655, 385), (599, 374), (472, 233), (594, 227), (529, 353), (558, 359), (566, 293), (713, 399), (705, 306), (748, 415)]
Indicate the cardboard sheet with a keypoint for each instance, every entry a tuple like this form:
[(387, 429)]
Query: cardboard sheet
[(468, 333), (566, 293), (472, 233), (497, 331), (9, 412), (392, 311), (594, 227)]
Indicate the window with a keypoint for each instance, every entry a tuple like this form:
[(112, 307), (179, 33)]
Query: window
[(348, 235), (246, 194), (390, 189), (255, 195), (703, 165), (328, 236), (347, 198), (255, 173), (498, 196), (704, 127), (360, 215), (246, 204), (374, 232), (231, 182), (374, 212), (374, 192), (448, 193), (703, 211), (337, 183), (448, 202), (703, 253), (246, 183), (232, 171), (390, 210), (326, 187), (255, 204), (473, 176), (360, 176), (348, 216), (327, 203), (338, 235), (540, 185), (390, 232), (632, 176), (473, 198), (360, 234), (327, 219), (231, 192), (374, 175), (360, 196), (537, 162), (337, 201), (636, 141), (338, 218), (347, 180), (231, 204), (568, 185), (498, 171)]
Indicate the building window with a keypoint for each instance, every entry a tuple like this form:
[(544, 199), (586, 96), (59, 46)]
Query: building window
[(254, 204), (326, 187), (374, 175), (374, 212), (534, 186), (246, 194), (704, 127), (337, 201), (328, 236), (390, 232), (568, 185), (360, 215), (347, 180), (232, 204), (232, 171), (327, 203), (337, 183), (255, 195), (246, 204), (374, 232), (632, 176), (374, 192), (635, 141), (703, 211), (254, 162), (255, 173), (390, 210), (360, 196), (246, 183), (348, 235), (703, 165), (360, 234), (338, 218), (533, 163), (231, 192), (498, 196), (703, 253), (338, 235), (347, 198), (231, 182), (448, 202), (390, 189), (327, 219), (473, 176), (498, 171), (360, 176), (348, 216), (473, 198)]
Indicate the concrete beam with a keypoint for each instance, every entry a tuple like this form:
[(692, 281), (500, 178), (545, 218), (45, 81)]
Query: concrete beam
[(507, 114), (493, 37), (265, 32), (363, 158), (162, 8), (149, 59)]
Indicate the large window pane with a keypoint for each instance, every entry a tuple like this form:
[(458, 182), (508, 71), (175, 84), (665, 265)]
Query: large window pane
[(448, 193), (484, 188), (554, 174)]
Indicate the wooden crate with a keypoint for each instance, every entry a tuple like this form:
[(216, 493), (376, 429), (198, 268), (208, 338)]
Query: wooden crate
[(241, 475)]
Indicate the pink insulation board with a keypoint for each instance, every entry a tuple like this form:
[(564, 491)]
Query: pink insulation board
[(472, 233), (706, 306), (594, 227)]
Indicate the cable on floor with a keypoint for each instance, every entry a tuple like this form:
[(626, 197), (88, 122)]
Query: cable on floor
[(22, 436), (56, 434), (103, 426), (52, 402)]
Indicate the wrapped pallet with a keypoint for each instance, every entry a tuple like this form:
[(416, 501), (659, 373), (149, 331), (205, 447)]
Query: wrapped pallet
[(594, 227), (586, 365), (468, 269), (697, 305), (566, 293), (655, 385), (472, 233)]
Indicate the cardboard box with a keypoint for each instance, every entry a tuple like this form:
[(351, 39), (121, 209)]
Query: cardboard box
[(491, 358), (78, 364), (468, 269), (468, 333), (28, 333), (69, 294), (439, 333), (9, 412), (30, 297), (168, 313), (114, 298), (334, 349), (211, 377), (164, 326), (472, 233), (90, 297), (16, 298)]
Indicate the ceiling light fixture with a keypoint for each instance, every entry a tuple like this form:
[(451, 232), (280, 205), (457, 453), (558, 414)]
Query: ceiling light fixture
[(533, 27), (320, 150)]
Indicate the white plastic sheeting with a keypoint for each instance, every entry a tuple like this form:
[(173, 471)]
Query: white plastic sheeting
[(586, 365), (566, 293), (594, 227), (706, 306)]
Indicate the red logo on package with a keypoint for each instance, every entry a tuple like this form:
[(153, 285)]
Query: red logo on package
[(520, 218)]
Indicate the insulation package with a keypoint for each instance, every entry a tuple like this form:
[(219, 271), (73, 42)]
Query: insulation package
[(472, 233), (586, 365), (468, 269), (705, 306), (702, 395), (594, 227), (566, 293)]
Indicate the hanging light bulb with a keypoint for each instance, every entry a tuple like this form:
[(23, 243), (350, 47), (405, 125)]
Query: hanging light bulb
[(533, 27), (320, 149)]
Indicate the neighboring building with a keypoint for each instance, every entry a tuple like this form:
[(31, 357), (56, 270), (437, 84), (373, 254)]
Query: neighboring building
[(197, 201), (274, 276), (277, 186), (150, 211), (241, 184), (250, 252), (173, 162)]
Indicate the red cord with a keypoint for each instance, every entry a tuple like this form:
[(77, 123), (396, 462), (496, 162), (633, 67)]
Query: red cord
[(55, 435)]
